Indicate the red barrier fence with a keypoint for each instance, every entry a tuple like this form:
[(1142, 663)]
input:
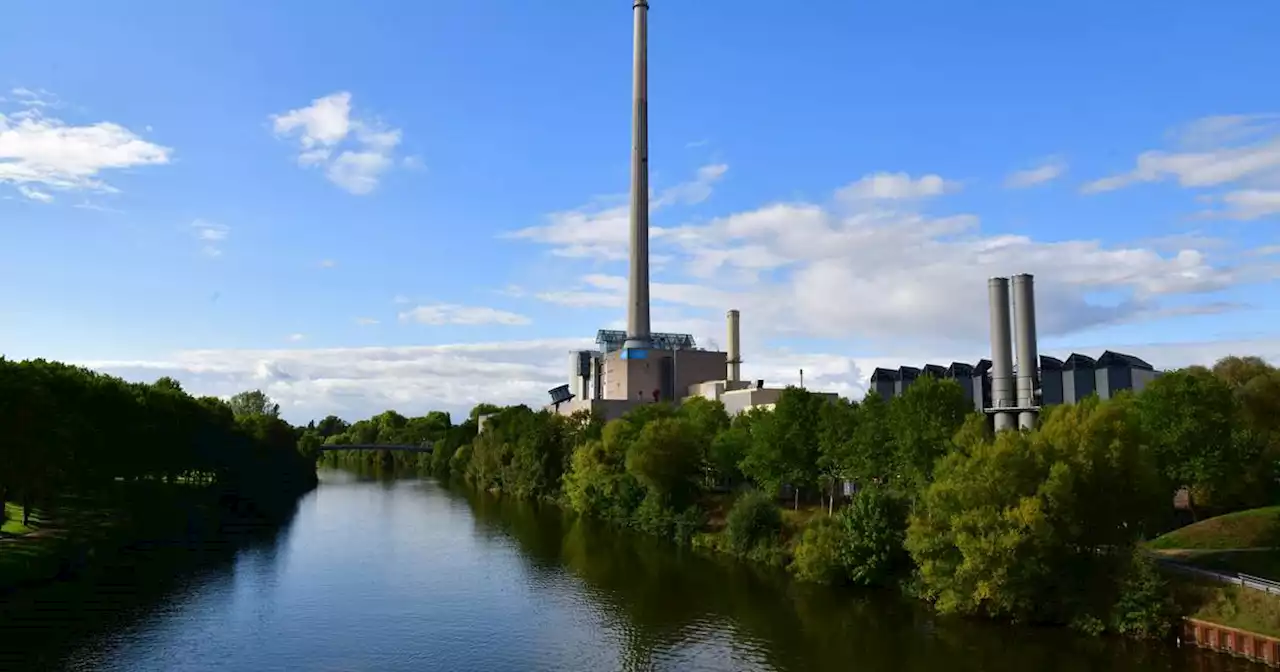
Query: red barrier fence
[(1249, 645)]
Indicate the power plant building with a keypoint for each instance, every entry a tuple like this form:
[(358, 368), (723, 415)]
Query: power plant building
[(636, 366)]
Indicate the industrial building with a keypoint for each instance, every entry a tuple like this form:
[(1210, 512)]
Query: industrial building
[(636, 366), (1017, 392)]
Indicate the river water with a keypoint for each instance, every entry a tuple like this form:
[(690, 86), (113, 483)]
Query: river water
[(379, 574)]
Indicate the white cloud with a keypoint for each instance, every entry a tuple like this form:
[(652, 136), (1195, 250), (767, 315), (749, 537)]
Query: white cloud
[(212, 235), (883, 272), (295, 338), (44, 151), (1048, 170), (896, 187), (34, 194), (32, 99), (601, 230), (445, 313), (96, 207), (694, 191), (325, 126), (1216, 151), (358, 382), (366, 321), (1252, 203), (328, 263)]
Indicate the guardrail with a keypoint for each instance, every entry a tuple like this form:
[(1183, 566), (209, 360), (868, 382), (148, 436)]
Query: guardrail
[(1243, 580)]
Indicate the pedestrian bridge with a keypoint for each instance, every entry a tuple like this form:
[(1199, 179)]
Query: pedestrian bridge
[(408, 448)]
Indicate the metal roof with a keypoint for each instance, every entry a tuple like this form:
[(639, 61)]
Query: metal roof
[(611, 340)]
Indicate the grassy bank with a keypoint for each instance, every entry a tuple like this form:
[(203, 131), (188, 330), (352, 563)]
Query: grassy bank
[(1254, 528), (1232, 606), (11, 522)]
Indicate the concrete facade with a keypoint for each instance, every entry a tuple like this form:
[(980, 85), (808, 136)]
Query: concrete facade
[(605, 409), (629, 375), (738, 401)]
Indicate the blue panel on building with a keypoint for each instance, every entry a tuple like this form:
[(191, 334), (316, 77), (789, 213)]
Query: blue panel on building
[(634, 353)]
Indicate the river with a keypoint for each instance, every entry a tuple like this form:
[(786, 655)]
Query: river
[(390, 574)]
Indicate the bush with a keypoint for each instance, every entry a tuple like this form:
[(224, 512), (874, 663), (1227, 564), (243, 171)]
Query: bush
[(818, 554), (1144, 608), (688, 523), (874, 528), (753, 520)]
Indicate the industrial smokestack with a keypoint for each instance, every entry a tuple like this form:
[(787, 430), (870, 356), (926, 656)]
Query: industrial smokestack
[(1024, 316), (735, 347), (1002, 393), (638, 306)]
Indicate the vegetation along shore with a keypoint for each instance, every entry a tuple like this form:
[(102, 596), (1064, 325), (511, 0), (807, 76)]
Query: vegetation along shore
[(1045, 526), (92, 467)]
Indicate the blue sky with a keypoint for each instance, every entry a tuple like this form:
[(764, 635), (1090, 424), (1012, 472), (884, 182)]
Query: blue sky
[(415, 205)]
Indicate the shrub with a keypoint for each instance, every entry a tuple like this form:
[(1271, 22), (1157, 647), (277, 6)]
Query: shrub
[(754, 519), (688, 523), (1144, 608), (818, 554)]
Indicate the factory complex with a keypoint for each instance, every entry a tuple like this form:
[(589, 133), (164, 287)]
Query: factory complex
[(634, 367), (1005, 389)]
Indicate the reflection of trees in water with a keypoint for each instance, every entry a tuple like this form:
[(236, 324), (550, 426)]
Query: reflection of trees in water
[(665, 603), (58, 620)]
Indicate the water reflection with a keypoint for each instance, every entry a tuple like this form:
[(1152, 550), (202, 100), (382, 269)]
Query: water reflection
[(40, 628), (383, 573), (672, 609)]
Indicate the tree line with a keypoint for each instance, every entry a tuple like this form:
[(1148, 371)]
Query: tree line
[(1034, 526), (69, 430)]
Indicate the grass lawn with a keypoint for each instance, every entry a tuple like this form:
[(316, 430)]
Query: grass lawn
[(1255, 528), (1232, 606), (12, 525)]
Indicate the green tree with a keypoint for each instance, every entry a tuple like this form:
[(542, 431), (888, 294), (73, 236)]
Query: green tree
[(784, 443), (1032, 525), (665, 458), (1191, 417), (923, 421), (253, 402), (874, 528), (837, 426), (870, 449)]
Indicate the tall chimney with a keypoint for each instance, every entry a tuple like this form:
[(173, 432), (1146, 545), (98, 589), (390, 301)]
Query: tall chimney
[(638, 297), (1002, 394), (1024, 316), (735, 347)]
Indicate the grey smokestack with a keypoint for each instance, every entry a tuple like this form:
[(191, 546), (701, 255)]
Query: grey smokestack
[(735, 347), (1002, 395), (638, 297), (1024, 315)]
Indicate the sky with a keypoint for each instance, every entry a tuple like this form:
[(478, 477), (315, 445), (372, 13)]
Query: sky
[(423, 205)]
